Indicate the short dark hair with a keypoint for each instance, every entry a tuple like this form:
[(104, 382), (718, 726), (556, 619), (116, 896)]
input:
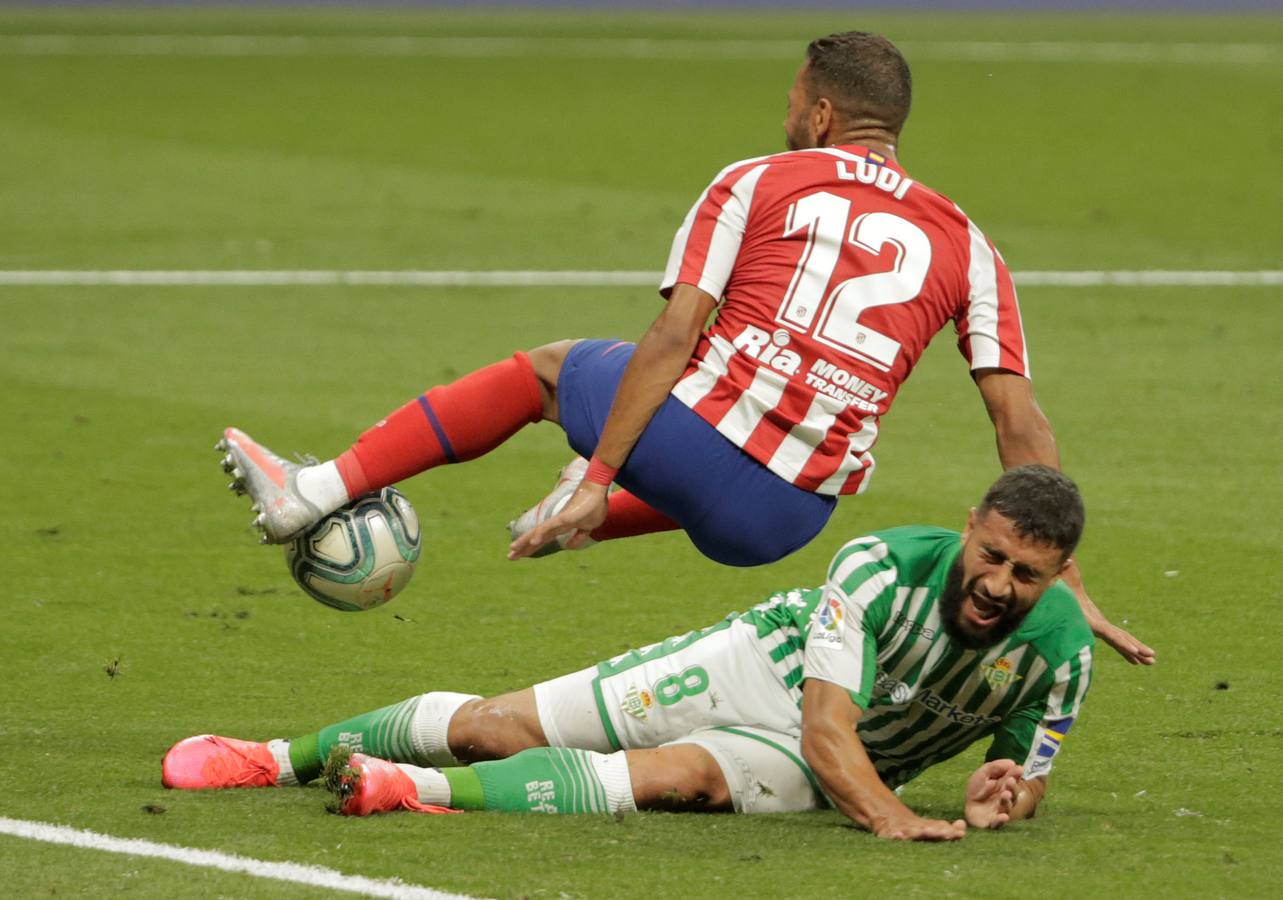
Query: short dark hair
[(1041, 503), (863, 75)]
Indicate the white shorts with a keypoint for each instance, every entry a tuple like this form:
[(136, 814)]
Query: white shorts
[(714, 688), (763, 769)]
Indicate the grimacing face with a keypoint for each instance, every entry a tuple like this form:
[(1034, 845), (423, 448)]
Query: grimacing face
[(996, 580), (797, 135)]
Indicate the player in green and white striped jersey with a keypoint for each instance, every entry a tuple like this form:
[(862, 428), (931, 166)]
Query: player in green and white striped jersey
[(921, 642)]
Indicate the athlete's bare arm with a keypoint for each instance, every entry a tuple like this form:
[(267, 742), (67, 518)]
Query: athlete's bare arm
[(659, 361), (836, 756), (1023, 433), (1024, 436)]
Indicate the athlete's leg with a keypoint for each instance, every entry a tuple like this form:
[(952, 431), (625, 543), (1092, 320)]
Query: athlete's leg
[(678, 778), (412, 731), (627, 515), (761, 769), (456, 422), (448, 424), (496, 728)]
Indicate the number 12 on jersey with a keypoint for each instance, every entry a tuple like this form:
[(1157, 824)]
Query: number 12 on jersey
[(833, 319)]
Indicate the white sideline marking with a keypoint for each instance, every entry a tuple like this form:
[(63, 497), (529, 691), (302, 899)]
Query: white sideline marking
[(314, 876), (422, 278), (1144, 52)]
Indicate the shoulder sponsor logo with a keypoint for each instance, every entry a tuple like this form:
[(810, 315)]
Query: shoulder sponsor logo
[(827, 631), (1000, 674)]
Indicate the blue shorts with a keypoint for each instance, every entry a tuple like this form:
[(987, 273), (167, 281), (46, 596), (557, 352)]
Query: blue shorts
[(735, 510)]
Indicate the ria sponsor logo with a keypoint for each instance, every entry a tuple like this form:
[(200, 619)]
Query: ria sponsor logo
[(771, 349)]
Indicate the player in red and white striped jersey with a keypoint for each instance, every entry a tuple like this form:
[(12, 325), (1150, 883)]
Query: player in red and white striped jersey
[(835, 270), (830, 270)]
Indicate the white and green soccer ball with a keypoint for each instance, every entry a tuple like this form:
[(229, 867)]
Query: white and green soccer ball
[(360, 556)]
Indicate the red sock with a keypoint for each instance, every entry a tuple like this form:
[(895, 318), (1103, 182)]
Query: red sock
[(450, 423), (626, 516)]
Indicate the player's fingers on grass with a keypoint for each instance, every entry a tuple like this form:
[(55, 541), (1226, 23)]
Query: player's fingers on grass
[(939, 830)]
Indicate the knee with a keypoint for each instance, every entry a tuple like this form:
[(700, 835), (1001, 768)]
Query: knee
[(492, 729), (547, 360), (678, 778)]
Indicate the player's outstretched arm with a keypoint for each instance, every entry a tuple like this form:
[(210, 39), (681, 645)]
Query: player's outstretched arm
[(660, 359), (1023, 433), (996, 794), (1024, 436), (836, 756)]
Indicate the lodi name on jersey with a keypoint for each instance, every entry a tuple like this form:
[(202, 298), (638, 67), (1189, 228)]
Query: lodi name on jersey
[(880, 177)]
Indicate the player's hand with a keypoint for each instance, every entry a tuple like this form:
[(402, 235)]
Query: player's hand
[(908, 827), (1122, 640), (585, 511), (991, 793)]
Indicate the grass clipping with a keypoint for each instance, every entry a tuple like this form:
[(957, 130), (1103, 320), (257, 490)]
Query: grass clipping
[(340, 778)]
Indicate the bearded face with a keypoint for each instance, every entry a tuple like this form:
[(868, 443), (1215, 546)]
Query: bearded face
[(995, 581), (972, 618)]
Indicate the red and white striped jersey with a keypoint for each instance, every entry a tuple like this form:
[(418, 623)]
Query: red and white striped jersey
[(834, 270)]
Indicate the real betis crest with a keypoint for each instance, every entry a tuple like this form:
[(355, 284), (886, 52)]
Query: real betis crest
[(636, 702), (1001, 673)]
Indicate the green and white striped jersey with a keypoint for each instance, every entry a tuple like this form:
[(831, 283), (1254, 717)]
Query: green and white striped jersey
[(874, 629)]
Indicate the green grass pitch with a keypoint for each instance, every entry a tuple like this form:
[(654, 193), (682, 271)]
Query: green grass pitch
[(122, 550)]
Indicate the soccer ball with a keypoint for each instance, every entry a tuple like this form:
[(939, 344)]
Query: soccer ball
[(360, 556)]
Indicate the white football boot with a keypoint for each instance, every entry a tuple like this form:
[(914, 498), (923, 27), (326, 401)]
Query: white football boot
[(272, 483), (568, 481)]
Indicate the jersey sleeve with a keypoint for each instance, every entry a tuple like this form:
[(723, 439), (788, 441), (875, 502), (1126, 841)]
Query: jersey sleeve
[(990, 334), (708, 241), (1033, 734), (841, 642)]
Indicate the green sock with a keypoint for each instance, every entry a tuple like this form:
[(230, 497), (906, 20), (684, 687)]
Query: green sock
[(543, 779), (385, 733)]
